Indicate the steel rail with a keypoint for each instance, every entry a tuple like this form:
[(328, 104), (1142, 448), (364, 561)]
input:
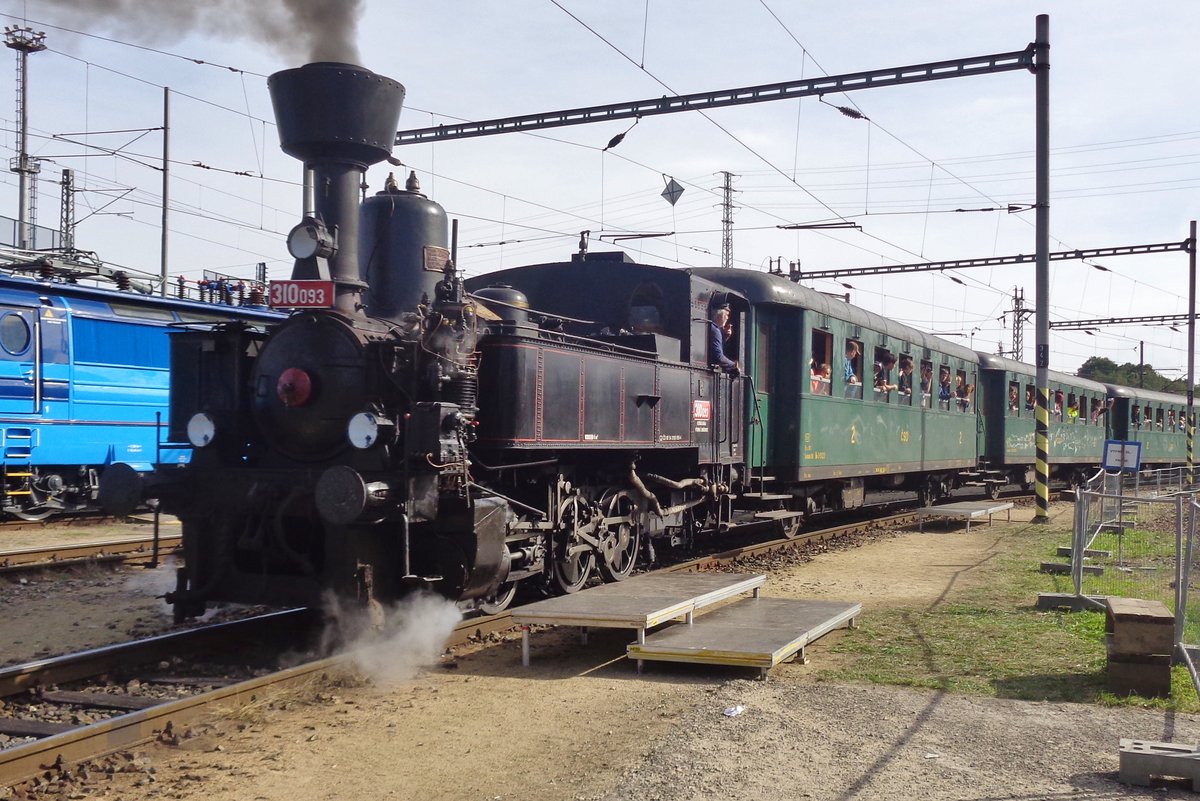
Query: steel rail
[(67, 554)]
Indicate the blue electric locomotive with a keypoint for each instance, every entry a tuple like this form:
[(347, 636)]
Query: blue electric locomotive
[(84, 377)]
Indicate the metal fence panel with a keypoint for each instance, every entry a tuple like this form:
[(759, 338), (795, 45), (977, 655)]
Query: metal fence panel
[(1133, 537)]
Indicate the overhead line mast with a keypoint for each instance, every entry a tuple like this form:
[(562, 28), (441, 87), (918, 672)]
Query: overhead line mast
[(24, 41)]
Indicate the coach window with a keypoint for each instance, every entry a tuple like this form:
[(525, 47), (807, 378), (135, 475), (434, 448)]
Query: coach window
[(15, 335), (821, 364), (1030, 400), (1158, 419), (1071, 415), (945, 388), (852, 372), (883, 375), (964, 392), (927, 386), (1094, 415), (904, 380), (1014, 398)]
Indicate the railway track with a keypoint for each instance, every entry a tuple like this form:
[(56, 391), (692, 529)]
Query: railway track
[(66, 555), (52, 755)]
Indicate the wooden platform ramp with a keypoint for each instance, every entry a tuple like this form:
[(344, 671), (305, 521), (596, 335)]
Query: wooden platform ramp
[(964, 510), (753, 632), (638, 603)]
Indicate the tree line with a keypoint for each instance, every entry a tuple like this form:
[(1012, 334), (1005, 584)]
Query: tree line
[(1099, 368)]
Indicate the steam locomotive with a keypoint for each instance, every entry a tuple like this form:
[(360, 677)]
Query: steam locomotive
[(422, 431)]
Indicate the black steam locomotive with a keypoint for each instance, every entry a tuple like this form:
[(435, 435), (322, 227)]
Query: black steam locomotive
[(414, 434)]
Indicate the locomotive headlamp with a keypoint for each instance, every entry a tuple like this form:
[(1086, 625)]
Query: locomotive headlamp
[(201, 429), (365, 429), (309, 240)]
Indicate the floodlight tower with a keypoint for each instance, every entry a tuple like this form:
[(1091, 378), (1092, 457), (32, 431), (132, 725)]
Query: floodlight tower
[(24, 41)]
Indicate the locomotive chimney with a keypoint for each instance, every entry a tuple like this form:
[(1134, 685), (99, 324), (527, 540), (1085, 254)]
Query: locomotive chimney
[(338, 119)]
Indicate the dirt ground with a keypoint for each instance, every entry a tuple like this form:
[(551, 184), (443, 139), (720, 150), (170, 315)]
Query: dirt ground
[(581, 724), (52, 612)]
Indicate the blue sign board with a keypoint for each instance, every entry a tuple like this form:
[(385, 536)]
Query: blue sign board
[(1120, 455)]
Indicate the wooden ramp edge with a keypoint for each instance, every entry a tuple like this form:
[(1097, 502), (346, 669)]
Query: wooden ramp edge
[(754, 632)]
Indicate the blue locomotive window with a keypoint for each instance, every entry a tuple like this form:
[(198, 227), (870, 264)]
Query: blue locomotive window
[(120, 344), (15, 336)]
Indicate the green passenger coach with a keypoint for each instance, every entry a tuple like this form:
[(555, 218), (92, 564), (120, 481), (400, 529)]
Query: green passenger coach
[(847, 400)]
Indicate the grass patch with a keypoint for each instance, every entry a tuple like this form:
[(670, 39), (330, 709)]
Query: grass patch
[(989, 639)]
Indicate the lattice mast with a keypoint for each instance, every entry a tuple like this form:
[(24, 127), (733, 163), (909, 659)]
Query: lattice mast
[(727, 220), (66, 223), (24, 41)]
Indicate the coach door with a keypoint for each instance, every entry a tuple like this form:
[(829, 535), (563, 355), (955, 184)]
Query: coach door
[(20, 361)]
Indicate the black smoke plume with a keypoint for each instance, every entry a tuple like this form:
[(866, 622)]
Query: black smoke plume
[(298, 30)]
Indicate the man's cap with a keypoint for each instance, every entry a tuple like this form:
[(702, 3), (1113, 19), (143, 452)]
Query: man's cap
[(718, 301)]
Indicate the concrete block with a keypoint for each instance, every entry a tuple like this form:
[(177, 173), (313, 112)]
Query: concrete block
[(1142, 759)]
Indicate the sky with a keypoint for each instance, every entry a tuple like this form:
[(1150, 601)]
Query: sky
[(1125, 142)]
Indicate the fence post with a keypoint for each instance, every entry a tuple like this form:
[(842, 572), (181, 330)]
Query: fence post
[(1181, 572), (1185, 570), (1077, 541)]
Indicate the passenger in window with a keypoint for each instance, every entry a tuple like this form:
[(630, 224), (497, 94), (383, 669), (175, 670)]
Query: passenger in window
[(851, 355), (1014, 401), (904, 381), (883, 373), (945, 392), (1073, 411), (1058, 405), (822, 379), (926, 381), (1097, 410), (1135, 417), (962, 393), (720, 330), (1030, 400)]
